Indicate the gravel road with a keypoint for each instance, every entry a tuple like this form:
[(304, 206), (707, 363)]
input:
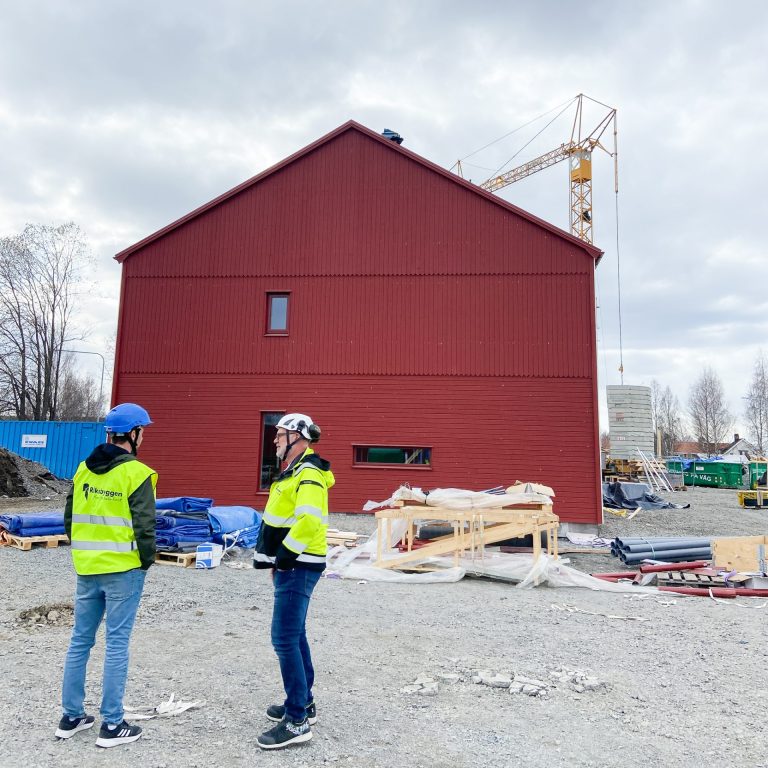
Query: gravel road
[(630, 680)]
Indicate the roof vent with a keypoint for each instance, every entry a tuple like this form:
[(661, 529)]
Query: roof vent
[(392, 136)]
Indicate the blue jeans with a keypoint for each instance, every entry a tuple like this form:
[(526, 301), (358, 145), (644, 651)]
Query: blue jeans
[(117, 594), (289, 637)]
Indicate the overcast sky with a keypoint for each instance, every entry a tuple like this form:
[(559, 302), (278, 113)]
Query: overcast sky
[(123, 117)]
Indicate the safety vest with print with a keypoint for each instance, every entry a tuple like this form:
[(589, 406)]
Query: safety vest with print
[(296, 515), (102, 525)]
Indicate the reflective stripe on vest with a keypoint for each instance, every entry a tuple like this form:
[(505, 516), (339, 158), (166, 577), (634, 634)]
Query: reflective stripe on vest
[(277, 521), (112, 546), (102, 520), (293, 545), (103, 540)]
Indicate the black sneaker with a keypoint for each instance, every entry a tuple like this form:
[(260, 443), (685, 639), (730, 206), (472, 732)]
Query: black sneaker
[(115, 735), (276, 712), (69, 726), (285, 733)]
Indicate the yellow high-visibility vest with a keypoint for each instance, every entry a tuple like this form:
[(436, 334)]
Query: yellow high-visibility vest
[(299, 503), (102, 526)]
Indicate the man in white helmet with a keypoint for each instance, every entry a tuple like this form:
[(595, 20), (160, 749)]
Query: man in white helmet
[(292, 543)]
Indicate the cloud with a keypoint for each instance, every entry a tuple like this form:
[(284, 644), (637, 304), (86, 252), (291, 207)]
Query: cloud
[(125, 116)]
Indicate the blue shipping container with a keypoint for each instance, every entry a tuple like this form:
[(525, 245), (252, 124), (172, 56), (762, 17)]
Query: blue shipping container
[(59, 445)]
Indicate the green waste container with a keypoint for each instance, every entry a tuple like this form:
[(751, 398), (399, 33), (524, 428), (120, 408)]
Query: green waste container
[(715, 474), (756, 471)]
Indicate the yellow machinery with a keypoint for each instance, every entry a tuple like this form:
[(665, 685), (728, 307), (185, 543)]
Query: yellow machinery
[(578, 151)]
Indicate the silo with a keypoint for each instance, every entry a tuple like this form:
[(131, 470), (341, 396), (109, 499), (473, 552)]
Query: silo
[(630, 423)]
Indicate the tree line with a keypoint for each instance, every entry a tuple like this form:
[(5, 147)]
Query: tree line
[(707, 420), (40, 272)]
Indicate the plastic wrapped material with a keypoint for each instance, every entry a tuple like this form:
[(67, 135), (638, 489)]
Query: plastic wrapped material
[(546, 571), (357, 563), (458, 499), (367, 572)]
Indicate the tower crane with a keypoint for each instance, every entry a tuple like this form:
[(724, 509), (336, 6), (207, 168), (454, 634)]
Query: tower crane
[(578, 151)]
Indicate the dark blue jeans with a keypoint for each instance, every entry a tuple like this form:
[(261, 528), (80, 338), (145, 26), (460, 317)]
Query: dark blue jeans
[(293, 590)]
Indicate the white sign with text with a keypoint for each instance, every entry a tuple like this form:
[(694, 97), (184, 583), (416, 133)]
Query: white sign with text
[(34, 441)]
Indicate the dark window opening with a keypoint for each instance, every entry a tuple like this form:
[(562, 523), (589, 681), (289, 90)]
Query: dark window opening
[(268, 453), (277, 313), (392, 456)]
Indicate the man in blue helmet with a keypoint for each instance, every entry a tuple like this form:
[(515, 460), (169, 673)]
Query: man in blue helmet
[(110, 520)]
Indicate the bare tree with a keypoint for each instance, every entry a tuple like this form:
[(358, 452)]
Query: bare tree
[(78, 396), (710, 418), (667, 419), (756, 412), (39, 270)]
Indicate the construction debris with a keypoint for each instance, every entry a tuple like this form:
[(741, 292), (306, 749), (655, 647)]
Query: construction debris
[(168, 708), (56, 615), (21, 477)]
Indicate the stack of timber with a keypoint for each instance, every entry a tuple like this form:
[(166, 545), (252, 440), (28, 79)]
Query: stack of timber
[(334, 537)]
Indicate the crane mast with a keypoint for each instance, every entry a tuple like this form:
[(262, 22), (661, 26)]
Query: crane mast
[(578, 151)]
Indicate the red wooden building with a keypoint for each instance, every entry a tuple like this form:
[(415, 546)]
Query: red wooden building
[(439, 335)]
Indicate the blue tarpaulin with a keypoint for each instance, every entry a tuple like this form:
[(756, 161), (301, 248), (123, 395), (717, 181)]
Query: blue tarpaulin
[(226, 520), (40, 524), (173, 529), (186, 520), (184, 504)]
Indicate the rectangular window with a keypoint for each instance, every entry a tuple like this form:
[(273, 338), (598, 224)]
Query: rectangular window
[(277, 313), (268, 454), (391, 456)]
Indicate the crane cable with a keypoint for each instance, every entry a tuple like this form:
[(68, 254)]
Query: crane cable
[(618, 286), (535, 136), (562, 107), (618, 252)]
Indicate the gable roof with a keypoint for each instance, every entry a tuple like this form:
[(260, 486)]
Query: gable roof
[(351, 125)]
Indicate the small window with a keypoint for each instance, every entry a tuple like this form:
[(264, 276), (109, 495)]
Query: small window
[(268, 453), (277, 313), (385, 455)]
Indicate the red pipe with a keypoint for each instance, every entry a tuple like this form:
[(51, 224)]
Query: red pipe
[(717, 591), (648, 568), (616, 576)]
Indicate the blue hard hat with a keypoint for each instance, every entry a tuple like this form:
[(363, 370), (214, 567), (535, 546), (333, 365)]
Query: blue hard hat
[(125, 417)]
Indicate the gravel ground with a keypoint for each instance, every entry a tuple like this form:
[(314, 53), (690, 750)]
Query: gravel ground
[(685, 687)]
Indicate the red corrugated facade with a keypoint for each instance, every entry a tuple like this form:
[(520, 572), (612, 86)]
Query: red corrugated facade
[(423, 311)]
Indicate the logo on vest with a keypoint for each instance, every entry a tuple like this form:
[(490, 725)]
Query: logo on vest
[(105, 494)]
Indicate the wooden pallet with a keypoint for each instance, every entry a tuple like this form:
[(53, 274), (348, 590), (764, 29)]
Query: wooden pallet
[(26, 542), (690, 579), (180, 559)]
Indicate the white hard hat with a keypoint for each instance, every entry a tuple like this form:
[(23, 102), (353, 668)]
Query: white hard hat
[(301, 423)]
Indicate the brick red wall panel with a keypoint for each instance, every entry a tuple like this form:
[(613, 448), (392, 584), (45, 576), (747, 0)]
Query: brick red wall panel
[(483, 432)]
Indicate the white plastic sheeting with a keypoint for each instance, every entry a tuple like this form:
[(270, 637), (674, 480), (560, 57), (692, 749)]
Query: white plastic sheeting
[(357, 563), (458, 499)]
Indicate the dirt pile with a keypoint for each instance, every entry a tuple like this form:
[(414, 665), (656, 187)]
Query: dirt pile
[(21, 477), (56, 615)]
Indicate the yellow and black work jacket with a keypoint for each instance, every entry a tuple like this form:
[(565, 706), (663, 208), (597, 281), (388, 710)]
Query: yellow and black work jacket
[(110, 513), (295, 522)]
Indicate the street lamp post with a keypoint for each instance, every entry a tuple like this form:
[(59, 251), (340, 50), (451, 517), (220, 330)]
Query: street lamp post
[(103, 364)]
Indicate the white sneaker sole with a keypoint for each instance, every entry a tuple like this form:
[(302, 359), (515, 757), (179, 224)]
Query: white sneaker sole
[(69, 734), (107, 743), (310, 720), (295, 740)]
